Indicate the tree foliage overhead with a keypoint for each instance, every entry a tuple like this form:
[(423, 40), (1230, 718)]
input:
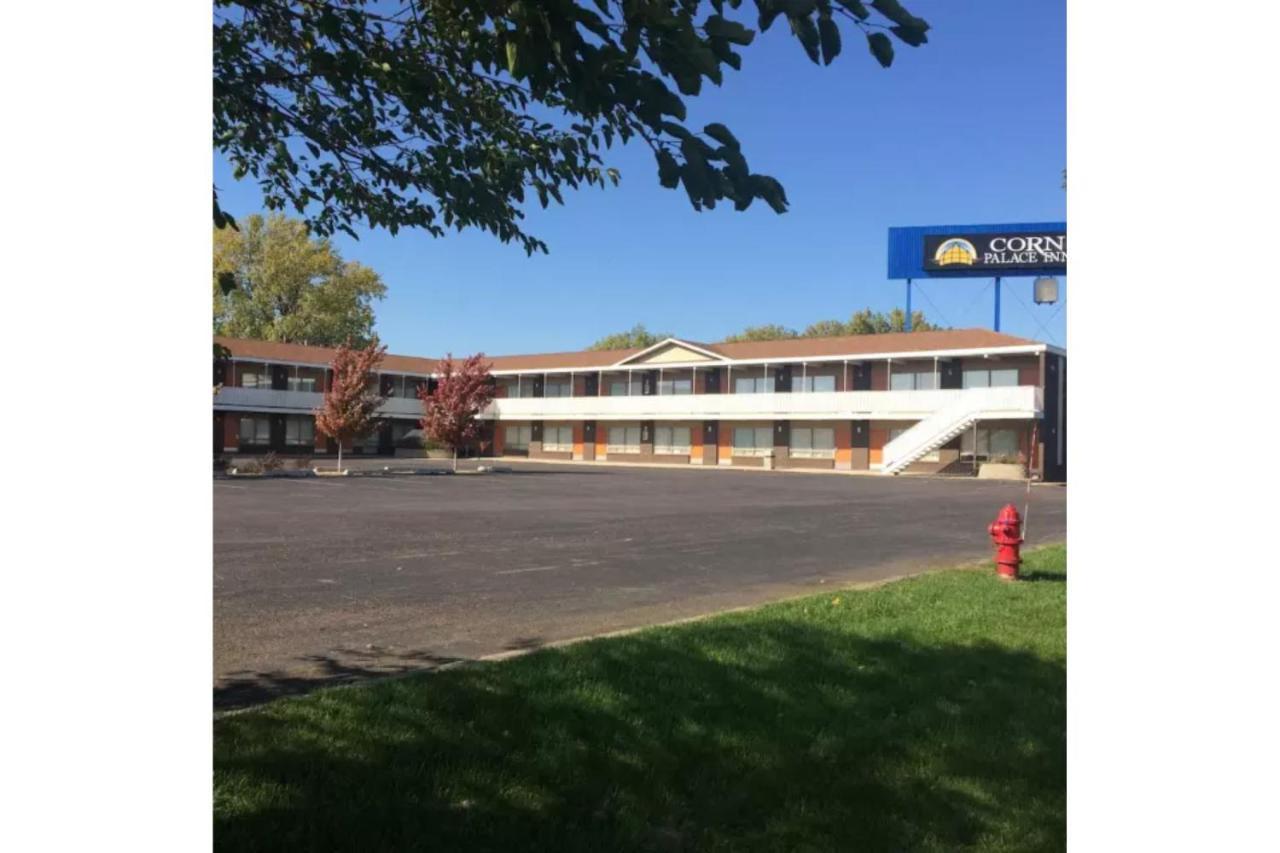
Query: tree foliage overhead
[(864, 322), (637, 337), (273, 282), (440, 114)]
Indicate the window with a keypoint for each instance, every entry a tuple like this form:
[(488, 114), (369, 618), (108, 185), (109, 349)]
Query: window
[(931, 456), (406, 434), (671, 439), (812, 383), (618, 388), (813, 442), (369, 443), (557, 388), (303, 383), (752, 441), (518, 437), (985, 378), (989, 443), (917, 380), (623, 439), (300, 431), (525, 386), (675, 386), (255, 431), (557, 438), (255, 376), (752, 384)]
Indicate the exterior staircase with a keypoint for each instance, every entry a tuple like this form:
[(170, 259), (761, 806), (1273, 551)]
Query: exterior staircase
[(944, 424)]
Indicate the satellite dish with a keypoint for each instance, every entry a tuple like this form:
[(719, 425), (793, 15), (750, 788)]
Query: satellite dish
[(1045, 290)]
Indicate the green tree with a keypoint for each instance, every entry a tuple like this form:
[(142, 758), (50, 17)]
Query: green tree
[(637, 337), (273, 282), (824, 329), (769, 332), (438, 115)]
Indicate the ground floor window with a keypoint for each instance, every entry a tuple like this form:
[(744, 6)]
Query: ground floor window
[(369, 442), (401, 437), (988, 445), (300, 431), (671, 439), (557, 437), (813, 442), (255, 430), (752, 441), (931, 456), (623, 439), (518, 437)]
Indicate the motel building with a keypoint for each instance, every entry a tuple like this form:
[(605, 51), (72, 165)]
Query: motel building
[(915, 402)]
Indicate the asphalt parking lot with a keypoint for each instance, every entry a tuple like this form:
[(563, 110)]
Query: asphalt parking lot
[(325, 579)]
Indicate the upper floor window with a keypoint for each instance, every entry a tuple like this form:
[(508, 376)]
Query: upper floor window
[(989, 378), (671, 439), (812, 383), (557, 388), (675, 386), (303, 383), (752, 384), (255, 376), (916, 380), (619, 388)]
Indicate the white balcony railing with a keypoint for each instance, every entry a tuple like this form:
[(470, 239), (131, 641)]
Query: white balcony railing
[(298, 402), (1022, 401)]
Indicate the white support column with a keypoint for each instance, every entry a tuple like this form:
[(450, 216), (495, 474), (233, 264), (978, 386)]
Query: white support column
[(888, 374), (519, 385), (630, 390), (658, 390), (804, 376)]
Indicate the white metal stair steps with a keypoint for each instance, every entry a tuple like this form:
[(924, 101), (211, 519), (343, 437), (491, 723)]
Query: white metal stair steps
[(932, 432)]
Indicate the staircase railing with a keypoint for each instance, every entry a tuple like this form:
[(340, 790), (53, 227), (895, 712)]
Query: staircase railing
[(944, 424)]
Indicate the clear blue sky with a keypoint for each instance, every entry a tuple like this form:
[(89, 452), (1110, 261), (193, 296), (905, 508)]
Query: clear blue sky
[(968, 128)]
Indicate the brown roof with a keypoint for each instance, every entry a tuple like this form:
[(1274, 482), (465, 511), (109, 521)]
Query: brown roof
[(850, 345), (247, 350), (950, 339)]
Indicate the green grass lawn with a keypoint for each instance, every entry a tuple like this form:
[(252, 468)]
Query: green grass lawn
[(929, 713)]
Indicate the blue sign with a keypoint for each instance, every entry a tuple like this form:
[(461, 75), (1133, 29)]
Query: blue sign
[(978, 251)]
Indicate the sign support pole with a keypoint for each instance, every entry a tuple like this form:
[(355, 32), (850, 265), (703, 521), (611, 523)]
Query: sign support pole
[(908, 323), (997, 322)]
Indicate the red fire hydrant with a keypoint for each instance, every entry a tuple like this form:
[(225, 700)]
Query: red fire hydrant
[(1006, 534)]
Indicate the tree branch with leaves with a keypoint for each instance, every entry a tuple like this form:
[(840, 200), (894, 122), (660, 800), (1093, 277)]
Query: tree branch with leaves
[(451, 115)]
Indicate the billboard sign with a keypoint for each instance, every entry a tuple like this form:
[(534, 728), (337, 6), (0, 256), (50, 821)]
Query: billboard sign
[(995, 253), (978, 251)]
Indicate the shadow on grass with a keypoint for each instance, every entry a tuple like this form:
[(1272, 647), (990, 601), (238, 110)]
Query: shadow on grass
[(343, 666), (1042, 577), (774, 735)]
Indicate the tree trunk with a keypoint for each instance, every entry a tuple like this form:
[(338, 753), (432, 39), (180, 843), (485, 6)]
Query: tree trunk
[(339, 454), (455, 460)]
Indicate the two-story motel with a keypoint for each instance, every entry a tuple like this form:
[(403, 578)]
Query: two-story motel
[(916, 402)]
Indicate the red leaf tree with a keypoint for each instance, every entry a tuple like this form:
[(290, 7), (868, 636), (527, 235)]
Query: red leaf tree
[(450, 416), (351, 401)]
